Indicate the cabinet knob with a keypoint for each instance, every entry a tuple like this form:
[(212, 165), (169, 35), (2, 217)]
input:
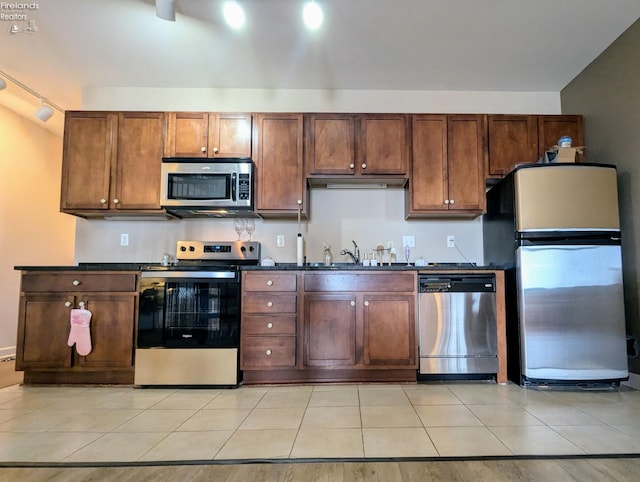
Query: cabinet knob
[(269, 282), (364, 165), (366, 303), (269, 325), (203, 149), (299, 202), (446, 201), (67, 304), (103, 201), (451, 201), (353, 303), (268, 352), (269, 304), (116, 201), (352, 165), (75, 282), (215, 150)]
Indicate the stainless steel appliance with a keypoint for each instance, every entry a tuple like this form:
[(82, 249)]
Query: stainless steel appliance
[(457, 324), (556, 229), (193, 187), (189, 315)]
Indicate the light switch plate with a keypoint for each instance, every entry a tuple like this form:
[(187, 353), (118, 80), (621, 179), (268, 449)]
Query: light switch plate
[(280, 240), (409, 241), (124, 239)]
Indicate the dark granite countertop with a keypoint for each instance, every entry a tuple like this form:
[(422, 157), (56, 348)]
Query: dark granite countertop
[(88, 267), (277, 267), (359, 267)]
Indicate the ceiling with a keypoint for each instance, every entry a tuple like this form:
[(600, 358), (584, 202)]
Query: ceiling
[(467, 45)]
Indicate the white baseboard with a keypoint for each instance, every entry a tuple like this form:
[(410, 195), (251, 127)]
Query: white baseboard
[(634, 381), (7, 352)]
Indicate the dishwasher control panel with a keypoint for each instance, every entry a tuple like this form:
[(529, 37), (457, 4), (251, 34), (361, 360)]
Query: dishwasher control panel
[(459, 283)]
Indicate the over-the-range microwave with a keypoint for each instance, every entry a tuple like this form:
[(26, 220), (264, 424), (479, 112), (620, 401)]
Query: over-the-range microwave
[(193, 187)]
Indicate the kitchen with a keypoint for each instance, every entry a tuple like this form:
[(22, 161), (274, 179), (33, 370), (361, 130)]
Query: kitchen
[(100, 241)]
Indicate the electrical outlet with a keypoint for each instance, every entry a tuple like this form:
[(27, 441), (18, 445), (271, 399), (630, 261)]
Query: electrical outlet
[(124, 239), (280, 240), (409, 241), (451, 241)]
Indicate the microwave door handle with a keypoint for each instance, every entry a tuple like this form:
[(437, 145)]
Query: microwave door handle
[(234, 182)]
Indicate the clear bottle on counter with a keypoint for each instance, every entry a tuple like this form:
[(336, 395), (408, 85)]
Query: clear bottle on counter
[(328, 258)]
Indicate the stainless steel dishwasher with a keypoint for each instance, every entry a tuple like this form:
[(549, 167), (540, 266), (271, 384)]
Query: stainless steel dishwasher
[(457, 324)]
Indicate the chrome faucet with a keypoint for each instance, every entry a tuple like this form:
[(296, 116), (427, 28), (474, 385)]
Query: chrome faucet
[(355, 255)]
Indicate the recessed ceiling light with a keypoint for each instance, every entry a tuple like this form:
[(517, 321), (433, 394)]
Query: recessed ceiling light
[(312, 15), (233, 14)]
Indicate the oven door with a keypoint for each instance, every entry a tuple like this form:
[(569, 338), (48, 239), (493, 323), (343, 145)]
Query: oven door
[(189, 310)]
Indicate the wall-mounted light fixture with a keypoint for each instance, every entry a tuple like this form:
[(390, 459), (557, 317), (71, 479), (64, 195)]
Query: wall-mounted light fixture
[(46, 109), (166, 10)]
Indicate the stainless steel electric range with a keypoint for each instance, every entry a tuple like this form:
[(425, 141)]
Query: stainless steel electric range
[(189, 315)]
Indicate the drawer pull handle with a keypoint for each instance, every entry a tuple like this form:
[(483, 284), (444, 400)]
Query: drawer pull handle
[(269, 282), (67, 304), (268, 352), (269, 325), (353, 303), (269, 304), (75, 282)]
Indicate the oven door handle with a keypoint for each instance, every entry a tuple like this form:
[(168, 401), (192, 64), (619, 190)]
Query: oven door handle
[(190, 274)]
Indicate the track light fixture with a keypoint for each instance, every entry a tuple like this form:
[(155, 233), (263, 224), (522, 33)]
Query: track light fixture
[(233, 14), (44, 112), (166, 10), (46, 109), (312, 15)]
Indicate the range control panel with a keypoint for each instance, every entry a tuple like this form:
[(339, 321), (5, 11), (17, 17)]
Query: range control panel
[(218, 250)]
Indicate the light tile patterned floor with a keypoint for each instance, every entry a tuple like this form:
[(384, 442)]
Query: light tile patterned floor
[(123, 424)]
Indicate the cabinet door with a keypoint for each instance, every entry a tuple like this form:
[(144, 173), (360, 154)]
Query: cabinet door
[(389, 330), (465, 163), (88, 153), (139, 159), (112, 330), (383, 144), (281, 186), (428, 181), (187, 134), (553, 127), (43, 331), (331, 143), (230, 135), (512, 140), (330, 330)]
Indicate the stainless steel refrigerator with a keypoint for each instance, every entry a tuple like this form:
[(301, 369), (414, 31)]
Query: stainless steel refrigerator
[(556, 230)]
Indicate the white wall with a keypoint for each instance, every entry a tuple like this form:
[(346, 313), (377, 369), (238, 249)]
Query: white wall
[(32, 230), (337, 216)]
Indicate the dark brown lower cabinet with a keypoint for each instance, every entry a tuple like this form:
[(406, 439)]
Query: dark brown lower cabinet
[(46, 301), (353, 326)]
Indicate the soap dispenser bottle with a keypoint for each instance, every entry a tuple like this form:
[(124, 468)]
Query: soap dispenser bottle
[(328, 259)]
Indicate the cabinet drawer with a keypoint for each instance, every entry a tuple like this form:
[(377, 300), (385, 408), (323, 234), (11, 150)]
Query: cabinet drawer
[(78, 281), (268, 352), (273, 281), (269, 325), (269, 303), (377, 282)]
